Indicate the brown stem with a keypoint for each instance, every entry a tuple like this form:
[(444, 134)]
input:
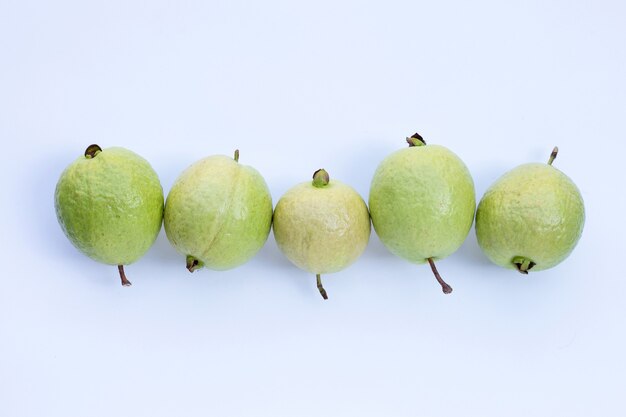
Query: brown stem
[(125, 281), (444, 286), (236, 156), (553, 155), (320, 287)]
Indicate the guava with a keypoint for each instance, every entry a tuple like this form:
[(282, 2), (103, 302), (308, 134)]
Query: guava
[(422, 203), (321, 226), (218, 213), (531, 218), (109, 203)]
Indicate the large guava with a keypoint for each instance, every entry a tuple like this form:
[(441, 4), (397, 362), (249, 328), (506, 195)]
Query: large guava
[(422, 203), (531, 218), (218, 213), (321, 226), (109, 203)]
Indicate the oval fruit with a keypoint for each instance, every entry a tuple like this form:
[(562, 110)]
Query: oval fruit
[(531, 218), (422, 203), (321, 226), (109, 203), (218, 213)]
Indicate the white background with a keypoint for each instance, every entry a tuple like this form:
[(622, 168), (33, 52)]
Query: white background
[(298, 86)]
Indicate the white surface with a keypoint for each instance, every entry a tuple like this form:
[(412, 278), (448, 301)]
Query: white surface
[(296, 87)]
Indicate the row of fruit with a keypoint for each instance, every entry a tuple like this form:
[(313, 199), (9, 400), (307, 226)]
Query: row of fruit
[(219, 212)]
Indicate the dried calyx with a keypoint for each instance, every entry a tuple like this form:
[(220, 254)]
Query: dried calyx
[(320, 178), (193, 263), (522, 264), (92, 151), (416, 140)]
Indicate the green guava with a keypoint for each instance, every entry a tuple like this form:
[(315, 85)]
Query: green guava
[(109, 203), (422, 203), (321, 226), (218, 213), (530, 218)]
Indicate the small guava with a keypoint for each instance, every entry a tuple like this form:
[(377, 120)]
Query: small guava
[(109, 203), (531, 218), (422, 203), (218, 213), (321, 226)]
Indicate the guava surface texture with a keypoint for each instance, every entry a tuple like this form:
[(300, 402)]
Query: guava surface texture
[(322, 229), (422, 202), (110, 206), (218, 213), (534, 212)]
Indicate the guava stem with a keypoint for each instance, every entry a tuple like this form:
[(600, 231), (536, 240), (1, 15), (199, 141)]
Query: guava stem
[(236, 157), (125, 281), (320, 287), (321, 178), (553, 155), (444, 286), (416, 140), (92, 151)]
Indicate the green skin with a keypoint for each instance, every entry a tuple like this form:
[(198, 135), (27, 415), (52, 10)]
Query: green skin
[(422, 203), (321, 226), (110, 206), (531, 218), (218, 213)]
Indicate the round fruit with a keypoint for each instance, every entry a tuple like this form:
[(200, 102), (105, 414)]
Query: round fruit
[(530, 218), (218, 213), (321, 226), (109, 203), (422, 203)]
